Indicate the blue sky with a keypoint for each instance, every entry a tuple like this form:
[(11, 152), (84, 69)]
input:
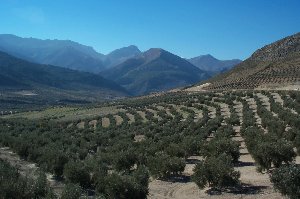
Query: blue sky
[(224, 28)]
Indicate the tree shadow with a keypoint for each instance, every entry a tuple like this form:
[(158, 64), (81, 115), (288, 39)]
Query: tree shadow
[(192, 161), (244, 164), (241, 153), (243, 189), (176, 178), (58, 178)]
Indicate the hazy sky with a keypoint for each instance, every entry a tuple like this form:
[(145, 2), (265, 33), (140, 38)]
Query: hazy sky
[(224, 28)]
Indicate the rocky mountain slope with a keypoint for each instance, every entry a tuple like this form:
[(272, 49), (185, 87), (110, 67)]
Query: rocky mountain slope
[(275, 66), (154, 70)]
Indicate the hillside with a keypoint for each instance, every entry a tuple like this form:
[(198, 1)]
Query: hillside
[(64, 53), (154, 70), (52, 82), (213, 65), (275, 66)]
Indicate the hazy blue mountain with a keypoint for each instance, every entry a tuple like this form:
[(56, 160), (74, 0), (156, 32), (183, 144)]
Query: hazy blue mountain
[(120, 55), (64, 53), (213, 65), (154, 70), (17, 75)]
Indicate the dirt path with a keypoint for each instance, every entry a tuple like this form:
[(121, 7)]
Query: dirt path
[(29, 169)]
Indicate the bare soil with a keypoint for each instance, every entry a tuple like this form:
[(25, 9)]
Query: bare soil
[(105, 122), (119, 120)]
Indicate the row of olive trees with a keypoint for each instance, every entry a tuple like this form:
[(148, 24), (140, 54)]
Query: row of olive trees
[(273, 151), (220, 154)]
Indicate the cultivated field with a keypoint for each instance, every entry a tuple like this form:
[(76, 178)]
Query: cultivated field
[(168, 126)]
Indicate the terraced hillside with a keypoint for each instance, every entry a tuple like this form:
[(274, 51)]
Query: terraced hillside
[(275, 66), (151, 145)]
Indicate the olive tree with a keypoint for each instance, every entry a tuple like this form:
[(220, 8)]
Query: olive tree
[(286, 180), (215, 172)]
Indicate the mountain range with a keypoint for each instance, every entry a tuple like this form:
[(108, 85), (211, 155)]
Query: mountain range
[(139, 72), (54, 82), (275, 66), (69, 54), (28, 64), (154, 70), (63, 53), (212, 65)]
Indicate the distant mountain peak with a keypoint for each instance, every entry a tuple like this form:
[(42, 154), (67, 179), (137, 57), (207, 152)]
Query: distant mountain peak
[(153, 53), (128, 50), (213, 65), (120, 55), (207, 55), (132, 47)]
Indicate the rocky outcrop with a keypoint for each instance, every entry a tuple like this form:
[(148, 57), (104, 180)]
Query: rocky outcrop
[(278, 50)]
